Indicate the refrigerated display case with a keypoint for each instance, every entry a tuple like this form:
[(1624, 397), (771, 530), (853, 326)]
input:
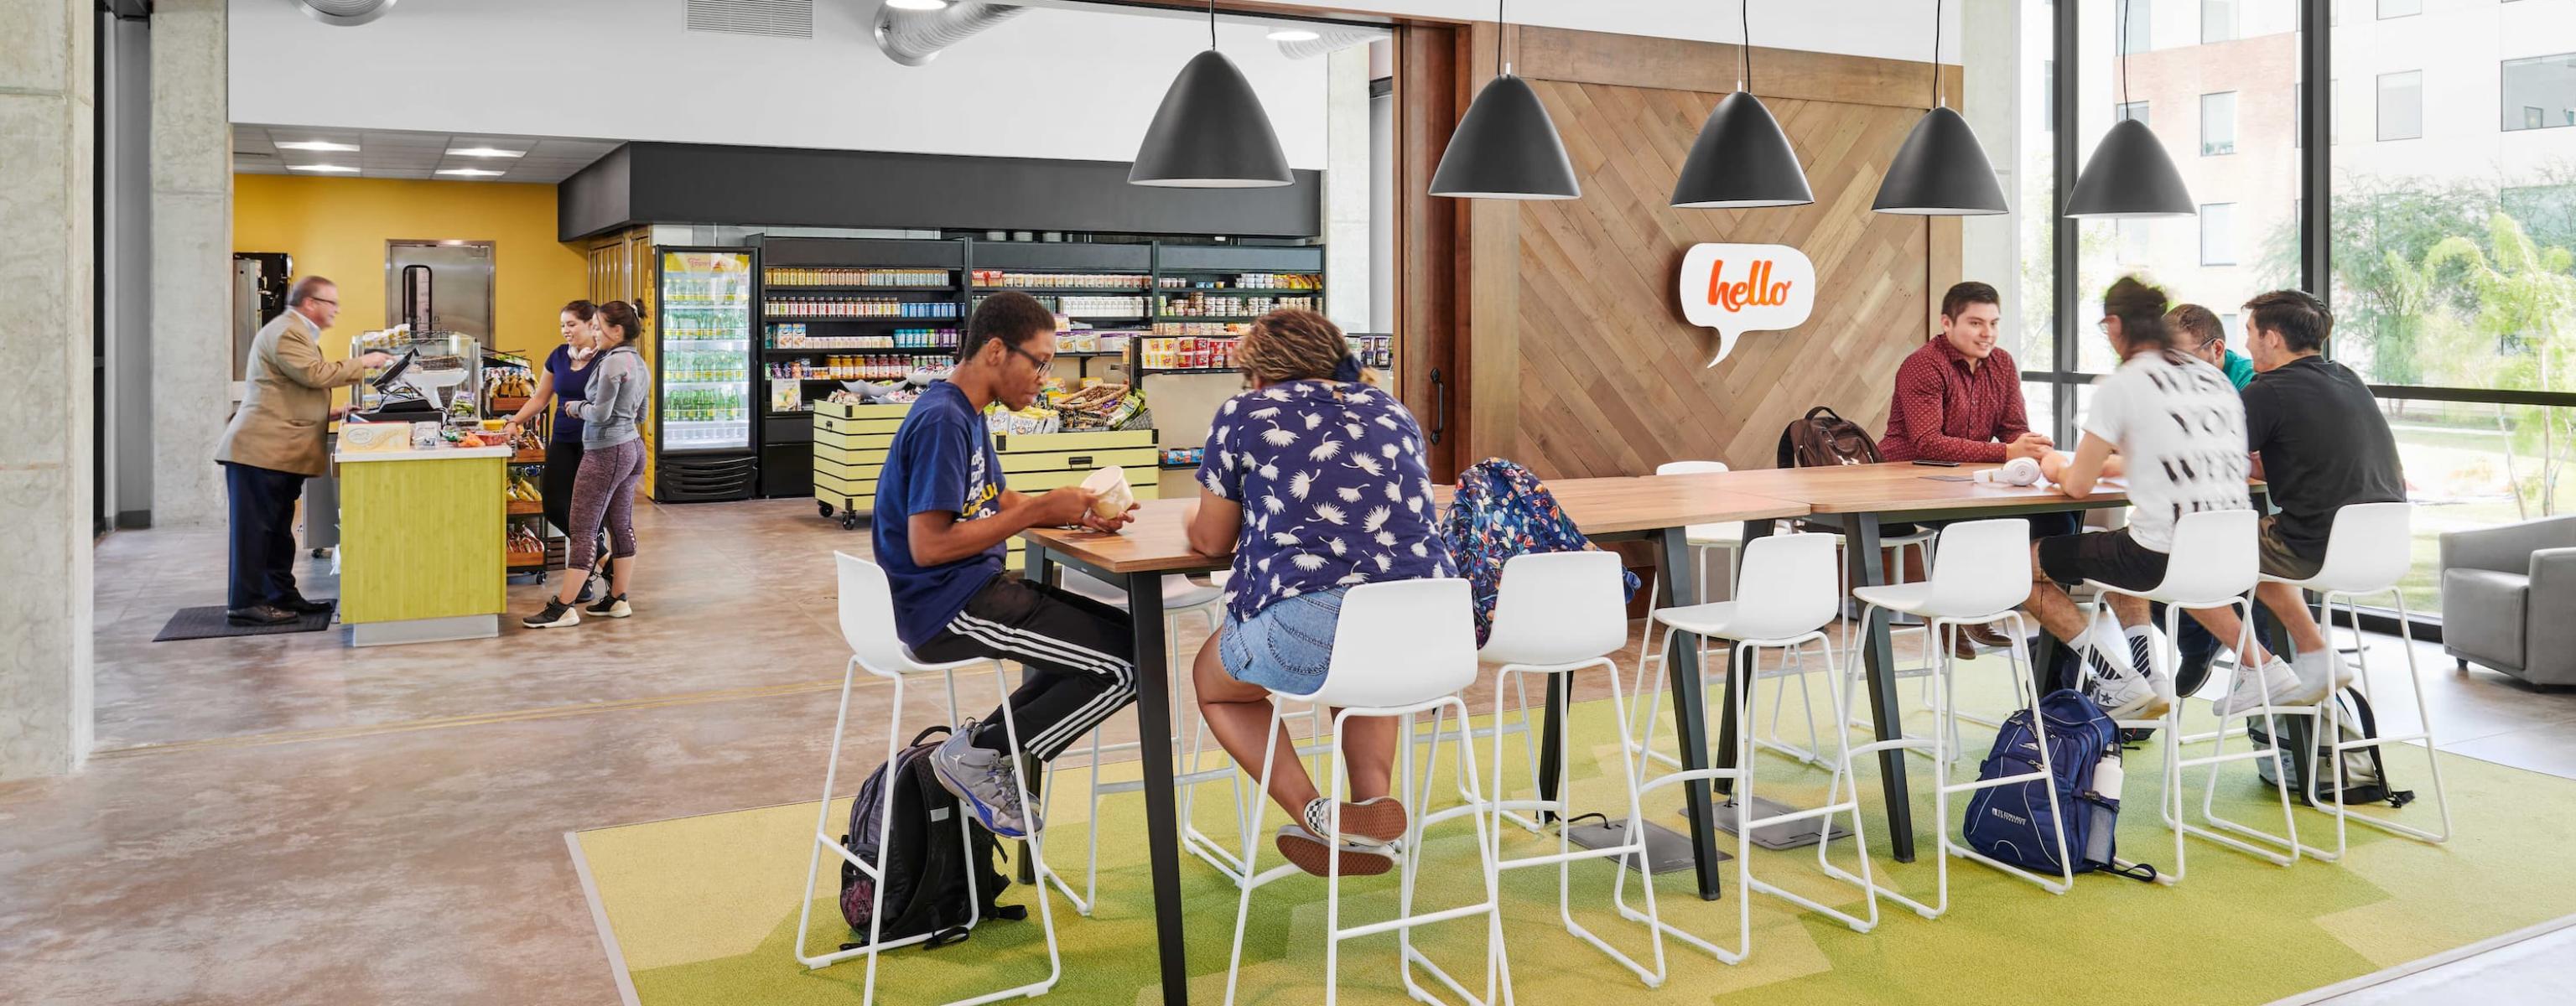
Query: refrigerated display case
[(702, 368)]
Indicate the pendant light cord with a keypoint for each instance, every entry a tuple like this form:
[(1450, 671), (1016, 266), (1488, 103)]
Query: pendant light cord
[(2122, 40), (1211, 24), (1498, 39), (1744, 47), (1938, 99)]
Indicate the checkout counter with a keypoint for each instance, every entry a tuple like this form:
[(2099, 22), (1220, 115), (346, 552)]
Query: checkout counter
[(420, 517)]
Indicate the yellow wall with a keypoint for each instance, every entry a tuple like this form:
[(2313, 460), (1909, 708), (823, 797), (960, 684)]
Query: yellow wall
[(337, 227)]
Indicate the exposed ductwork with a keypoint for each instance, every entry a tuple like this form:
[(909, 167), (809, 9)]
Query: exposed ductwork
[(344, 13), (915, 37), (1329, 40)]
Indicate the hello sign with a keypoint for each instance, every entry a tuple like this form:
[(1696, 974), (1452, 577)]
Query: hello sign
[(1746, 288)]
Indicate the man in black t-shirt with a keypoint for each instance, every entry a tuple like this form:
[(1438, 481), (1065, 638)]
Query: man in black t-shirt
[(2320, 444)]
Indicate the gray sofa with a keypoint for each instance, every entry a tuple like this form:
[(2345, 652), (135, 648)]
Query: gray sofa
[(2509, 599)]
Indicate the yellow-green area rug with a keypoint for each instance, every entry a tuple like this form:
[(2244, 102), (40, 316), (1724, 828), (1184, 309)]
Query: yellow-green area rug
[(702, 910)]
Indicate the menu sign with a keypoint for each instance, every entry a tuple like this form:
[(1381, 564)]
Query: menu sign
[(1736, 289)]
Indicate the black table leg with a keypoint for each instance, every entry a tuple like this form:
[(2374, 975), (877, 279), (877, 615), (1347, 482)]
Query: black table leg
[(1726, 725), (1154, 740), (1681, 668), (1861, 547)]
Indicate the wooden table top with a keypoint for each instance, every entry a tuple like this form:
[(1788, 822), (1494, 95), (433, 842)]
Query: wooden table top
[(1156, 542), (1904, 487)]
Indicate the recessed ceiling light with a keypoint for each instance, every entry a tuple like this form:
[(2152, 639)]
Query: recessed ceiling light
[(917, 4), (326, 168), (483, 152), (468, 172), (1292, 35), (344, 148)]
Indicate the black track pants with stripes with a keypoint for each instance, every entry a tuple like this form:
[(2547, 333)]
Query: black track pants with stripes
[(1075, 649)]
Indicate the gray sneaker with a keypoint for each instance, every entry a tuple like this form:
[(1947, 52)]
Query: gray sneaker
[(987, 781)]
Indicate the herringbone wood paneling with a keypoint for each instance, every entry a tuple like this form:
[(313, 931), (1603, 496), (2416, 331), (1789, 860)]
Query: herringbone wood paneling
[(1612, 379)]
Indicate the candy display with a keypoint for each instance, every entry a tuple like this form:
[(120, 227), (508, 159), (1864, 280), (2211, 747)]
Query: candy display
[(795, 336), (1200, 305), (1060, 281), (838, 276), (801, 306), (1246, 281)]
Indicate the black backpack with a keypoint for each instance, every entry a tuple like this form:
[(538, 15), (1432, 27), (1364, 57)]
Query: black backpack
[(927, 869), (2365, 775), (1822, 439)]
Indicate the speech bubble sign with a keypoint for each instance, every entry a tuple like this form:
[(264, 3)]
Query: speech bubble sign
[(1746, 288)]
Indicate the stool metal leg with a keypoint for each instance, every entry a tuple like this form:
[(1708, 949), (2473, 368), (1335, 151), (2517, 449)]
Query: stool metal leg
[(1566, 853)]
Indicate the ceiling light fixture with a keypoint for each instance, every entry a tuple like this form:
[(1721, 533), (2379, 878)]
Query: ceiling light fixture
[(484, 152), (469, 172), (1942, 170), (1506, 147), (335, 169), (1211, 131), (918, 4), (324, 145), (2129, 174), (1293, 35), (1741, 158)]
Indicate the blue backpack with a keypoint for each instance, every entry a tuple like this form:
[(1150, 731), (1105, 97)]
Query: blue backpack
[(1501, 510), (2012, 823)]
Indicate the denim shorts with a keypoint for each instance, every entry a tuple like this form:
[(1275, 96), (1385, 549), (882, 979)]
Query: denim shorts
[(1287, 646)]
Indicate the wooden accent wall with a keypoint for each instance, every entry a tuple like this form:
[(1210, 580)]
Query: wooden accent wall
[(1576, 358)]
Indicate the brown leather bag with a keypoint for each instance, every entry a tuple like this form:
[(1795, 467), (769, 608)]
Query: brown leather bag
[(1822, 438)]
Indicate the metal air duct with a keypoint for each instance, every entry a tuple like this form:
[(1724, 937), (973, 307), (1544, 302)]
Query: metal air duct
[(915, 37)]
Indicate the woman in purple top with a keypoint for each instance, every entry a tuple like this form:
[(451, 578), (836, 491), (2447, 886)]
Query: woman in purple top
[(1315, 480), (564, 380)]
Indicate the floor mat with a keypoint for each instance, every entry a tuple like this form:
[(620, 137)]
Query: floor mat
[(704, 910), (209, 623)]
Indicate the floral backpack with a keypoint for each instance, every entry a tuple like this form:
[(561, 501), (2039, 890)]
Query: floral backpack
[(1500, 511)]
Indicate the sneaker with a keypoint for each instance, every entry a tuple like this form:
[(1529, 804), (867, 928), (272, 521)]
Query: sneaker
[(612, 606), (2124, 695), (589, 591), (1374, 823), (1311, 854), (2320, 674), (2276, 676), (557, 615), (986, 781)]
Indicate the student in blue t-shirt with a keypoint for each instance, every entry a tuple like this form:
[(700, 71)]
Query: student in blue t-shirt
[(944, 515)]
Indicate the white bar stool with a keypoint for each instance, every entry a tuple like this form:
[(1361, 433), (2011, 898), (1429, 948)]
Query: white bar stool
[(1555, 614), (867, 623), (1981, 578), (2367, 553), (1797, 602), (2212, 565), (1182, 598), (1401, 648)]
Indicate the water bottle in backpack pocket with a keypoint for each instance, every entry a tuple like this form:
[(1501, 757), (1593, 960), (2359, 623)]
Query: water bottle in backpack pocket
[(939, 875), (2013, 824)]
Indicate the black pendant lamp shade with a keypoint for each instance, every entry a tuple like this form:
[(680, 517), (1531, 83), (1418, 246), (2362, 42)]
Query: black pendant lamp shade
[(1741, 159), (1210, 133), (1506, 148), (2130, 175), (1940, 171)]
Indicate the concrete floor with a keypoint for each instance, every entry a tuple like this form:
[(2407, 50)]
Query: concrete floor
[(281, 819)]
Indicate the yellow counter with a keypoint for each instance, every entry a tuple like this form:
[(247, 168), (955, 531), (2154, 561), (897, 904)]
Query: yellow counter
[(420, 545)]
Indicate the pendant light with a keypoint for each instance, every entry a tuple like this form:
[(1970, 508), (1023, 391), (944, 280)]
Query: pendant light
[(1211, 132), (2129, 174), (1506, 147), (1942, 170), (1741, 158)]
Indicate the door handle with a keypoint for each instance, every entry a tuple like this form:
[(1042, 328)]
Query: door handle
[(1439, 405)]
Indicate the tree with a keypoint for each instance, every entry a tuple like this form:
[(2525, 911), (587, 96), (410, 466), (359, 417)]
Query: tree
[(2524, 295)]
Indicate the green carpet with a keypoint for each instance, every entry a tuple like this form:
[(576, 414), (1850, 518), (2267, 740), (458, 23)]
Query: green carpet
[(703, 909)]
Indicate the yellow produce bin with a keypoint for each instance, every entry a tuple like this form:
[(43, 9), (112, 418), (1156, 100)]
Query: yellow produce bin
[(420, 548), (850, 443)]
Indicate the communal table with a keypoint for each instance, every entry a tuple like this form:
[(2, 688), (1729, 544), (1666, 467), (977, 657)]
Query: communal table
[(1656, 508)]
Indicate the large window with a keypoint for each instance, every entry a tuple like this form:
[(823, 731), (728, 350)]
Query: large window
[(2401, 105), (2218, 124), (2217, 21), (2218, 234), (2540, 92)]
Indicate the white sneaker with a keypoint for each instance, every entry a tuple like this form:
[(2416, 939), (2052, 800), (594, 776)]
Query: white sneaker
[(2128, 696), (2248, 692), (2315, 671)]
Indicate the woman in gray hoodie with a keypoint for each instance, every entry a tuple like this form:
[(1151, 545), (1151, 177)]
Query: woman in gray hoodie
[(612, 463)]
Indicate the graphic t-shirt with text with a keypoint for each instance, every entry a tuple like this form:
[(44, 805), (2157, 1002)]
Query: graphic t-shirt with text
[(2180, 429)]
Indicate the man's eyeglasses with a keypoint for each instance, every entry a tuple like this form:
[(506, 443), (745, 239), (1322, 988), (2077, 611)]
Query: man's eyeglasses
[(1033, 358), (324, 300), (2104, 325)]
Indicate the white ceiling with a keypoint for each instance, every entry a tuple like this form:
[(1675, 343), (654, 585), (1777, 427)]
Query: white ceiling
[(384, 153)]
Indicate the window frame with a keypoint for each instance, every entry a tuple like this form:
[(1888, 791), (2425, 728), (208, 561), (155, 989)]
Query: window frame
[(2504, 107), (2232, 102), (2228, 232), (2379, 106)]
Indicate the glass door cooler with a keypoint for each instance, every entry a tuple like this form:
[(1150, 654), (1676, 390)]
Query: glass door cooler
[(702, 369)]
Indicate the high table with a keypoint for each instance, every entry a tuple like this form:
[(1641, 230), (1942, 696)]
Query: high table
[(1658, 508)]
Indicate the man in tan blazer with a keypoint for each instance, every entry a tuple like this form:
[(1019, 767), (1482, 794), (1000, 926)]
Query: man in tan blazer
[(274, 443)]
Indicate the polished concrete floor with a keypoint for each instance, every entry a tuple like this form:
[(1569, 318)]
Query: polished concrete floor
[(281, 819)]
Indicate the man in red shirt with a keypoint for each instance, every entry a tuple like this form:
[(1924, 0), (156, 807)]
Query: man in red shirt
[(1958, 398)]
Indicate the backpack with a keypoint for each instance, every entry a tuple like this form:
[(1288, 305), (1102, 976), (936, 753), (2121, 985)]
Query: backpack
[(1502, 510), (933, 883), (1822, 439), (2012, 824), (2365, 776)]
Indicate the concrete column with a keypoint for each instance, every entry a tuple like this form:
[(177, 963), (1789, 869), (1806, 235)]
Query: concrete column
[(46, 120), (192, 235), (1347, 170), (1991, 58)]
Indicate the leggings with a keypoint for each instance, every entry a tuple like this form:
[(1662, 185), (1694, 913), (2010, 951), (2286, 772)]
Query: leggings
[(604, 494)]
